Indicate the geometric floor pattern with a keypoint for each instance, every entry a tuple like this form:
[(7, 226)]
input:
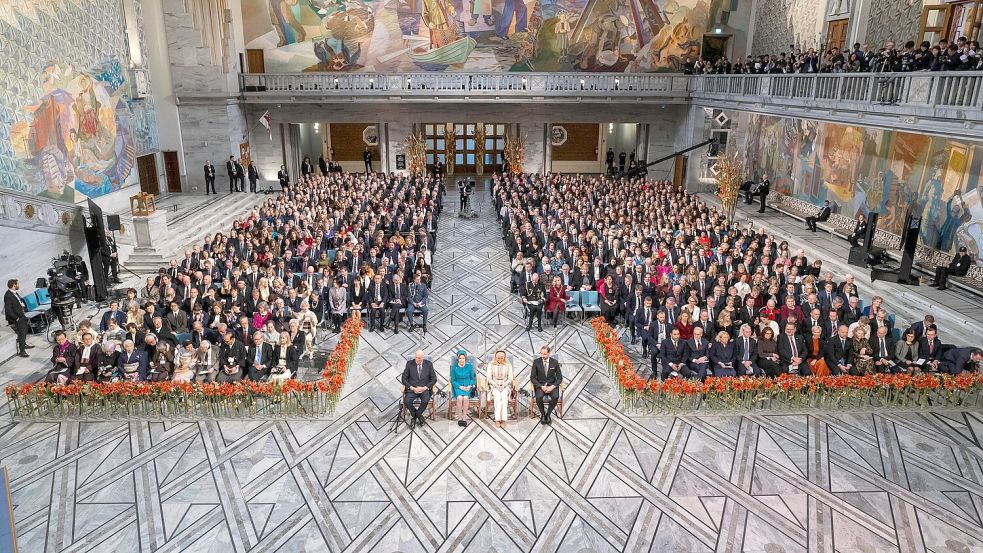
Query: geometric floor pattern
[(596, 480)]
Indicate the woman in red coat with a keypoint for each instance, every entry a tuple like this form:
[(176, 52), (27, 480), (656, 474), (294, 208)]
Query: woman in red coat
[(556, 301)]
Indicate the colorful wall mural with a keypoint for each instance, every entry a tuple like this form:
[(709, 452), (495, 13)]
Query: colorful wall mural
[(479, 35), (69, 128), (860, 169)]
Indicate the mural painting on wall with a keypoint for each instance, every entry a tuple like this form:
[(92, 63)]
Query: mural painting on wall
[(860, 169), (76, 140), (477, 35)]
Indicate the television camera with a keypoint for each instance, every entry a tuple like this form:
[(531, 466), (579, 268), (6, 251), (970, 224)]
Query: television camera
[(67, 279)]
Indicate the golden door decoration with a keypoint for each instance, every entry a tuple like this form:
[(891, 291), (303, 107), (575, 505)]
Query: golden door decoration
[(479, 148), (450, 146), (416, 152)]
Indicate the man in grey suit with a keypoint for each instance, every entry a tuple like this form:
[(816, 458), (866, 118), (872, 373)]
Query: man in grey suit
[(416, 300), (419, 379)]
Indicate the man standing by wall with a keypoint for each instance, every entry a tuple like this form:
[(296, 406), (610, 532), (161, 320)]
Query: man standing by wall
[(230, 167), (209, 178), (367, 158)]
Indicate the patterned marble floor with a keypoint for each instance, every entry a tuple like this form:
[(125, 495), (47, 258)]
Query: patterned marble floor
[(597, 480)]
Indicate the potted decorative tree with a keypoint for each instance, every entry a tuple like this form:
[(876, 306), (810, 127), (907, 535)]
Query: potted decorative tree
[(730, 176)]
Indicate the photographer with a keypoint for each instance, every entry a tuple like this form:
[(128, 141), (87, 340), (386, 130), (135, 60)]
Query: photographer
[(16, 316)]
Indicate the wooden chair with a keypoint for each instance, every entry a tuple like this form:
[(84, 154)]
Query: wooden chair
[(513, 399), (431, 407), (559, 403), (475, 402)]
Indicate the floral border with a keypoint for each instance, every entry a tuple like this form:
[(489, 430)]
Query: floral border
[(246, 399), (877, 391)]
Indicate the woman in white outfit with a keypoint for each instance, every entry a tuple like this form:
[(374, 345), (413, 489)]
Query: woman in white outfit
[(500, 377)]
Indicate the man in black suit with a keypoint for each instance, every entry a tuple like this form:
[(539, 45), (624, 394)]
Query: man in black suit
[(533, 297), (283, 177), (259, 358), (418, 379), (958, 267), (957, 360), (253, 176), (232, 359), (820, 217), (792, 351), (859, 230), (209, 178), (230, 168), (546, 378), (397, 300), (672, 353), (322, 165), (763, 188), (837, 352), (634, 304), (13, 310), (378, 297), (643, 318), (367, 158), (240, 177)]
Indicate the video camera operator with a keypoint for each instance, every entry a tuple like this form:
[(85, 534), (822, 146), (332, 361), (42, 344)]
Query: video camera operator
[(887, 60)]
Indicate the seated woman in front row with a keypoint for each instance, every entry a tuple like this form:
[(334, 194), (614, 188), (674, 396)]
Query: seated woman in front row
[(462, 385), (286, 358), (500, 377)]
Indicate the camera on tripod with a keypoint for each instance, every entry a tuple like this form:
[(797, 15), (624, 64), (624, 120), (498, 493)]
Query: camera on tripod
[(66, 285)]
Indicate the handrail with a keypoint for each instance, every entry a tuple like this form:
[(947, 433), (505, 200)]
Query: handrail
[(929, 93)]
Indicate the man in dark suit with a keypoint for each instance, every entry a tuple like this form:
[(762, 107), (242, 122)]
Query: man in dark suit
[(672, 353), (367, 158), (322, 165), (209, 178), (253, 174), (397, 300), (378, 297), (836, 353), (820, 217), (16, 316), (697, 354), (921, 326), (546, 378), (230, 168), (957, 360), (883, 350), (958, 267), (240, 176), (259, 359), (747, 353), (283, 177), (763, 188), (792, 351), (418, 379), (113, 313), (930, 349), (643, 318), (232, 359), (859, 230)]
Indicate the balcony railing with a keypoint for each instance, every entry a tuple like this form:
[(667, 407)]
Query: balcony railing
[(953, 98), (472, 84), (958, 89)]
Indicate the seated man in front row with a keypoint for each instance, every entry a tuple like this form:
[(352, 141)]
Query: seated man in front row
[(672, 353), (546, 378), (419, 379)]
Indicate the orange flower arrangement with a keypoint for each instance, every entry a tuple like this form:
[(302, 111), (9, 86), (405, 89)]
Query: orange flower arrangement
[(166, 398), (831, 391)]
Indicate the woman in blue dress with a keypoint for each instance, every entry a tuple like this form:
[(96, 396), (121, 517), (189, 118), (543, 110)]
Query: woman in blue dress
[(462, 385)]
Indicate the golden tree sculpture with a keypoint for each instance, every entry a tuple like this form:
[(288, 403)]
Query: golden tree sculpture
[(730, 175), (515, 153), (450, 146), (416, 152), (479, 148)]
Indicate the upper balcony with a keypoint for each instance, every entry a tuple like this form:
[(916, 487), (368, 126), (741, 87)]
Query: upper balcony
[(950, 102), (922, 101), (429, 87)]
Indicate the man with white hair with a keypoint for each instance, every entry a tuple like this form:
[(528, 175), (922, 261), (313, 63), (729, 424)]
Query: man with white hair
[(418, 379)]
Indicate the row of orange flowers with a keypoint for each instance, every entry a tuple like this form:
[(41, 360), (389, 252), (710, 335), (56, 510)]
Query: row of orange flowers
[(892, 388), (36, 398)]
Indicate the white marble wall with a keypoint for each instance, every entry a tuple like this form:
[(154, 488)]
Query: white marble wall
[(211, 132), (398, 131), (533, 137)]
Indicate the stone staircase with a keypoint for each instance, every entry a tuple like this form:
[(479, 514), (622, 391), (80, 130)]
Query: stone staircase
[(187, 228)]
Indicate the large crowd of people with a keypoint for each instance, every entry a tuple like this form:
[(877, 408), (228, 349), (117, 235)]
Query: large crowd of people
[(961, 55), (700, 295), (246, 304)]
